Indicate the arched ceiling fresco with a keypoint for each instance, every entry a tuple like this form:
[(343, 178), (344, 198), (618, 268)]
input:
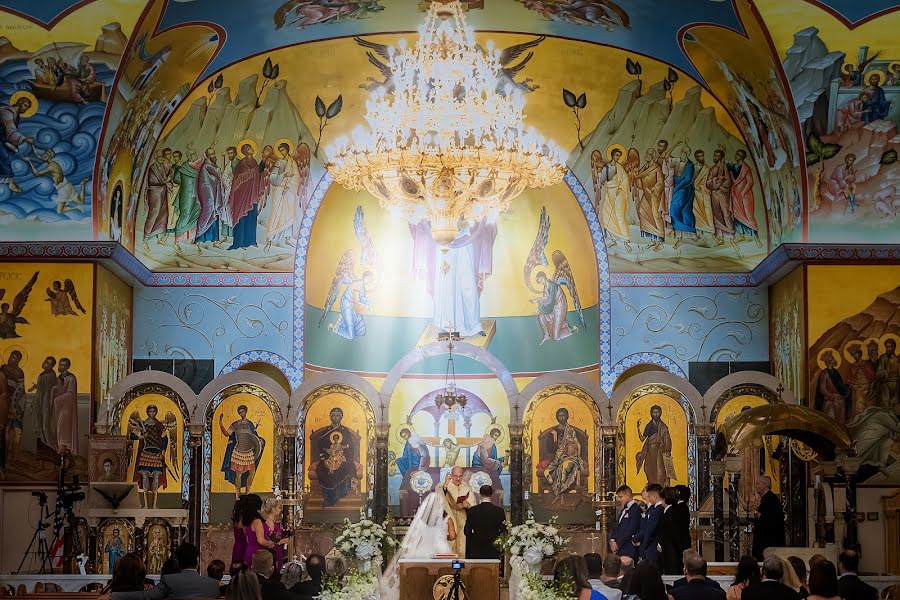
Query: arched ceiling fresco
[(739, 76)]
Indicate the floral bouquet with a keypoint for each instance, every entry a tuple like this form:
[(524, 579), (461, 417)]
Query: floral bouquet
[(532, 541), (353, 586), (535, 587), (277, 536), (365, 541)]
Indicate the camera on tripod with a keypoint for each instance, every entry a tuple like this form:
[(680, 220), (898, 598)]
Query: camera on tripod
[(457, 565), (41, 496), (67, 496)]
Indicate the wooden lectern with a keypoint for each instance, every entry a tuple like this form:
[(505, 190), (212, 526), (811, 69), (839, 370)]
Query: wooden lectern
[(419, 576)]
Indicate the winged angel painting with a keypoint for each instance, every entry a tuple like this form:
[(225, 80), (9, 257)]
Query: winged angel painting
[(157, 452), (11, 316), (381, 56), (59, 297), (552, 305), (355, 300), (605, 13)]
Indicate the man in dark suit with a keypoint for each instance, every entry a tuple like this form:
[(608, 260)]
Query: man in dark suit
[(768, 528), (683, 518), (849, 583), (270, 587), (485, 522), (188, 583), (771, 587), (696, 587), (312, 587), (646, 538), (686, 556), (622, 542)]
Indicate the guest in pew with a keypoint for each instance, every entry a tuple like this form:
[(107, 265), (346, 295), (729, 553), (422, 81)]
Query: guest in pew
[(292, 574), (698, 586), (800, 569), (216, 570), (770, 588), (747, 574), (849, 584), (244, 586), (602, 572), (790, 577), (816, 558), (170, 567), (573, 570), (681, 582), (315, 570), (823, 584), (645, 583), (128, 575), (270, 585), (625, 573), (187, 583)]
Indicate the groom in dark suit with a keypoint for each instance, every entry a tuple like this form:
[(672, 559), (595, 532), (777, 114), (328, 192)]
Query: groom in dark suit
[(485, 522)]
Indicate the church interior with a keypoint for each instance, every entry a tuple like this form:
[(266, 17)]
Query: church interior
[(261, 249)]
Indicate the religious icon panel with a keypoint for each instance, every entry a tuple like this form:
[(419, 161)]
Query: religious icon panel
[(243, 431), (336, 476), (157, 545), (653, 441), (115, 540), (154, 426), (561, 448)]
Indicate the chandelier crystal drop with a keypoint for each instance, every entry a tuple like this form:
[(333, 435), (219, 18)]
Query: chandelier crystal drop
[(448, 141)]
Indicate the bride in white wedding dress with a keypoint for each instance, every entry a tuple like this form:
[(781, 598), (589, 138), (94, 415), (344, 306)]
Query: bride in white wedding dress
[(427, 536)]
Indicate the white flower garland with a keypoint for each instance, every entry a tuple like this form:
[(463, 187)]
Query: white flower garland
[(354, 586)]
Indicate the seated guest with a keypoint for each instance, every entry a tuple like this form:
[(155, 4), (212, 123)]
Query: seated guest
[(216, 570), (270, 586), (187, 583), (690, 553), (244, 586), (790, 578), (625, 573), (128, 575), (800, 569), (603, 571), (698, 585), (823, 584), (747, 574), (573, 570), (170, 567), (816, 558), (849, 584), (315, 570), (292, 574), (770, 588), (645, 583)]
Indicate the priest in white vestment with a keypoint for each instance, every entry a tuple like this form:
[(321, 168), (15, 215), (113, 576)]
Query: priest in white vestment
[(458, 496)]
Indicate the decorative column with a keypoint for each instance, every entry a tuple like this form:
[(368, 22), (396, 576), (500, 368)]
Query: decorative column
[(516, 473), (608, 480), (195, 494), (717, 472), (382, 435), (733, 466), (703, 433)]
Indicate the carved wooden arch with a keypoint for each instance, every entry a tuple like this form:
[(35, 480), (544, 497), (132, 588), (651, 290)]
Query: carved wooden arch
[(461, 349), (356, 395), (327, 378), (687, 406), (577, 380), (149, 382), (211, 394)]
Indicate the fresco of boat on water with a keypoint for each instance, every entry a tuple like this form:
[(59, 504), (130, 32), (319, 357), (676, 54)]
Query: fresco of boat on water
[(53, 91)]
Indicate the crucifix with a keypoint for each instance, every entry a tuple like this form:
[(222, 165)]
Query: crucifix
[(437, 441)]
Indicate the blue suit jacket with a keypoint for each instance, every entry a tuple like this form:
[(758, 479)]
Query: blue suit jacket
[(647, 535), (628, 527)]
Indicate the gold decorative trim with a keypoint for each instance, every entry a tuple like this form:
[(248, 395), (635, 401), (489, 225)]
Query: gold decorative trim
[(140, 390)]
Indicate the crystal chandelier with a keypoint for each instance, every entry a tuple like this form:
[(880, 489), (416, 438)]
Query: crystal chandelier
[(448, 141), (449, 398)]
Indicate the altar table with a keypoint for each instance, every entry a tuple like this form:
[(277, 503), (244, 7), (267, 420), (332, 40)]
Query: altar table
[(480, 576)]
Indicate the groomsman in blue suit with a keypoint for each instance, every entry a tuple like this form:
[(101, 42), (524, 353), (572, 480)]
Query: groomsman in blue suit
[(647, 537), (622, 542)]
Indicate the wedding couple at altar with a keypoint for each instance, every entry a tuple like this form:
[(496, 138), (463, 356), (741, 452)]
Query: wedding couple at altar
[(451, 521)]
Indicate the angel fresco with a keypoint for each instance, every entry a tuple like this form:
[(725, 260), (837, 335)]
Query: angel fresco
[(59, 297), (11, 316), (157, 451), (354, 301), (303, 13), (506, 77), (582, 12), (553, 307)]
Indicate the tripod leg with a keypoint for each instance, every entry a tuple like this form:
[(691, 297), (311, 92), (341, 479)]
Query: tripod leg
[(28, 550)]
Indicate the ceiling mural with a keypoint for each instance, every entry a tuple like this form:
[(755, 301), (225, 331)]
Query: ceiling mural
[(704, 138)]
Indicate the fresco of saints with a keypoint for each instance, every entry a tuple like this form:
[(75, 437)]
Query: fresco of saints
[(336, 451), (455, 279), (415, 453), (64, 407), (563, 454), (887, 375), (41, 403), (743, 204), (832, 395), (552, 305), (243, 452), (114, 549), (860, 377), (681, 209), (186, 206), (159, 182), (21, 104), (282, 199), (157, 439), (59, 296), (703, 217), (211, 196), (244, 197), (10, 316), (719, 183), (612, 189), (486, 456), (648, 201), (656, 455), (875, 433), (157, 549)]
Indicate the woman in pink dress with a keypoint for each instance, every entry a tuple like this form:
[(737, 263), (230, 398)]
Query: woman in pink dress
[(240, 538), (272, 513), (256, 529)]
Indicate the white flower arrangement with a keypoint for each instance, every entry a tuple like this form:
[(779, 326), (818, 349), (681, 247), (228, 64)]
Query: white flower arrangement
[(354, 586), (364, 541), (533, 541), (535, 587)]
